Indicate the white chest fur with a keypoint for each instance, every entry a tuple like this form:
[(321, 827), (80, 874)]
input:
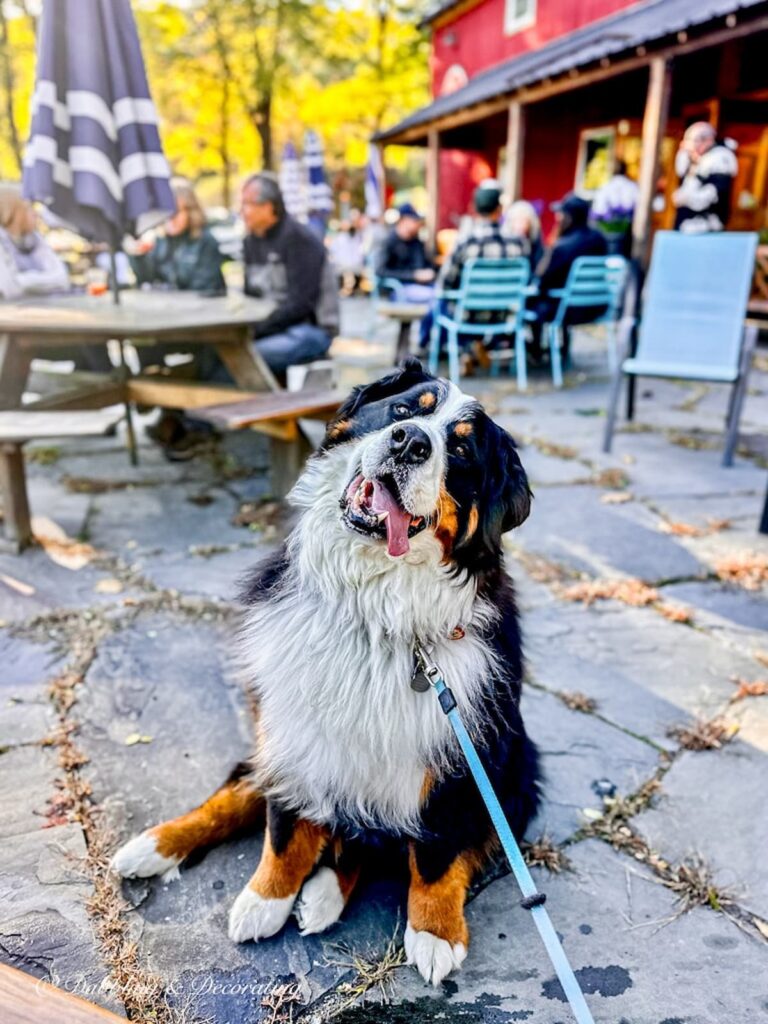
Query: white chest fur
[(341, 730)]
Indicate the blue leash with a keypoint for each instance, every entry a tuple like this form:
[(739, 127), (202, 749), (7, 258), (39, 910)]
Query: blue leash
[(533, 900)]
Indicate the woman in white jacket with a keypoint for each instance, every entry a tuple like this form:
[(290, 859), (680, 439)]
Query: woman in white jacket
[(28, 265)]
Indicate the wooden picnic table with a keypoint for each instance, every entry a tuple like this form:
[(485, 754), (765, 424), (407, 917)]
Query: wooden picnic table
[(45, 323), (42, 324)]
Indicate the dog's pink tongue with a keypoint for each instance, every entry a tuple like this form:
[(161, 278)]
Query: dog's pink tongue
[(397, 522)]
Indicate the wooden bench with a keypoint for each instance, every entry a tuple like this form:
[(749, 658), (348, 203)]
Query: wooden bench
[(26, 1000), (18, 427), (276, 414), (405, 313)]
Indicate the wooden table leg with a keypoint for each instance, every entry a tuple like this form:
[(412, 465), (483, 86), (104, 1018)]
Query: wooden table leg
[(403, 349), (13, 487), (247, 368), (14, 371), (287, 459)]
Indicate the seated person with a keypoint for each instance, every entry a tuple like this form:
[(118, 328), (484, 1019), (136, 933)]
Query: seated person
[(28, 265), (403, 256), (574, 238), (483, 240), (287, 263), (186, 256), (346, 251), (522, 221)]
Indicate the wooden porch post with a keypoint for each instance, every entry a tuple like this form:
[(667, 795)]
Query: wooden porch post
[(432, 182), (654, 126), (513, 171)]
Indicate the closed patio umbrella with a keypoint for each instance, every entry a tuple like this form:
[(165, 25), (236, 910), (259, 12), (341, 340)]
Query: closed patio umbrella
[(292, 183), (319, 198), (94, 155)]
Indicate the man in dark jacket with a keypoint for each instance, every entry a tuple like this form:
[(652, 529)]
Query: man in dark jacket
[(403, 256), (286, 263), (574, 238)]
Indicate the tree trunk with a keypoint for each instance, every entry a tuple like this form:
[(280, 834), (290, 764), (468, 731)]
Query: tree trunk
[(264, 128), (7, 79), (226, 165)]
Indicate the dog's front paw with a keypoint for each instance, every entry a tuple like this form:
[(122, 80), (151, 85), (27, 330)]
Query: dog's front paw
[(435, 958), (139, 858), (256, 917), (321, 902)]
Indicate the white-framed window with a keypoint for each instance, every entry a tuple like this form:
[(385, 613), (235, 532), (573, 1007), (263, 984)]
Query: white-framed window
[(518, 14)]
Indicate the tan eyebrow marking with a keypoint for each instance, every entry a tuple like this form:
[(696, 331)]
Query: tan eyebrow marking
[(463, 429), (339, 428), (427, 400), (472, 522)]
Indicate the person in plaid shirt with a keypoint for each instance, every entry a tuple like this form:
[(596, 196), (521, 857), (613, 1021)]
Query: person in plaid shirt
[(485, 239)]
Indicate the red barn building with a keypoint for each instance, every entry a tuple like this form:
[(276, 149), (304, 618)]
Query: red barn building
[(545, 93)]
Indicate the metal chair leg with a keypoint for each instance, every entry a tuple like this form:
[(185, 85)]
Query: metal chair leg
[(521, 366), (554, 352), (610, 415), (738, 394), (454, 366), (434, 348)]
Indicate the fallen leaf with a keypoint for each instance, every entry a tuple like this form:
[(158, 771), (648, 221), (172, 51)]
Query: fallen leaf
[(762, 926), (674, 612), (756, 688), (681, 529), (109, 586), (629, 591), (26, 589), (748, 569), (616, 497), (61, 549), (134, 738)]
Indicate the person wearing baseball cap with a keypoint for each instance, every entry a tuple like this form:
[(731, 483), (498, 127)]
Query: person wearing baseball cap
[(484, 240), (403, 256), (574, 238)]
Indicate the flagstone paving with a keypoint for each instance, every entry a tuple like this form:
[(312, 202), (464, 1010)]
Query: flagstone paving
[(121, 704)]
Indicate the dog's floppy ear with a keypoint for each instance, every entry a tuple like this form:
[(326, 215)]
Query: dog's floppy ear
[(510, 496)]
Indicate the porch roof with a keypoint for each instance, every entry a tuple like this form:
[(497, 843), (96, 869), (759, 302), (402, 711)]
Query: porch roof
[(649, 23)]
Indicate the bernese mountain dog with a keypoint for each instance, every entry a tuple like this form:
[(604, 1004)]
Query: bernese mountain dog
[(398, 541)]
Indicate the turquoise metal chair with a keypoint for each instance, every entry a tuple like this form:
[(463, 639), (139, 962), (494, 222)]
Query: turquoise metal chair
[(486, 286), (592, 281), (693, 325)]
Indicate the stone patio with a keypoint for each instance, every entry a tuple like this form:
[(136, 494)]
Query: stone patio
[(120, 707)]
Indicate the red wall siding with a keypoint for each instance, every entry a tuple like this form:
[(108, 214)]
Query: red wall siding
[(480, 40)]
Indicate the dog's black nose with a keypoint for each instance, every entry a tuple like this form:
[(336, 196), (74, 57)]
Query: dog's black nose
[(410, 445)]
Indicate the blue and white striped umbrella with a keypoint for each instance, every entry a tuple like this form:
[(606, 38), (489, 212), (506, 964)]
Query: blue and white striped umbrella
[(374, 184), (94, 155), (292, 183), (319, 197)]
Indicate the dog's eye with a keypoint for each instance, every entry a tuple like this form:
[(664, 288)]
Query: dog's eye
[(461, 450), (401, 410)]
